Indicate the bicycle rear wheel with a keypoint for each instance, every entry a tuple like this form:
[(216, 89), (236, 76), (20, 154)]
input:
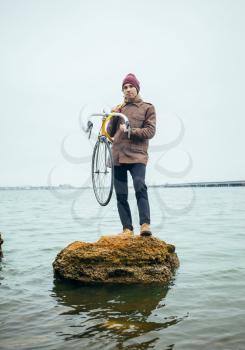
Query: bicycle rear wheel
[(102, 171)]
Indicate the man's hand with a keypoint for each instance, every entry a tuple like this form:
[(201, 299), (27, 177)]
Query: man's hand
[(123, 127)]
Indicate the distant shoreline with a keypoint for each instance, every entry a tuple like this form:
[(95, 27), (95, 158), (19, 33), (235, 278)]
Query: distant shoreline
[(167, 185)]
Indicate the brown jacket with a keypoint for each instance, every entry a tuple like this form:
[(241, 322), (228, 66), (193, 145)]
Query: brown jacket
[(142, 120)]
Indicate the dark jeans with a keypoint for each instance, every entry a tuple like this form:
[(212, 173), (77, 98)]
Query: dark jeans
[(137, 172)]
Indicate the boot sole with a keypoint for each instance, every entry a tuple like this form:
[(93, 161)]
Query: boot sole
[(145, 234)]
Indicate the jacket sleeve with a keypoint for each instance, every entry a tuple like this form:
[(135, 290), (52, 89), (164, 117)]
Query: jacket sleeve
[(149, 127)]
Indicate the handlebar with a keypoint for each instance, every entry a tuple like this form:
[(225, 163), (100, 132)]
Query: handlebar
[(105, 115)]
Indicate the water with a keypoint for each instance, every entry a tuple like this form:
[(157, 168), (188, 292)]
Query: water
[(202, 308)]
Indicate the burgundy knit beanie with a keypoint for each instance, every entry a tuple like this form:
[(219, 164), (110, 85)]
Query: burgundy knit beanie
[(131, 79)]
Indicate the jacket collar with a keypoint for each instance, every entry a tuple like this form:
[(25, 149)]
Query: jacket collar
[(136, 101)]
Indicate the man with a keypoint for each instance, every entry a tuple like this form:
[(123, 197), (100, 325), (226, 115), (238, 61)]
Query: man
[(130, 154)]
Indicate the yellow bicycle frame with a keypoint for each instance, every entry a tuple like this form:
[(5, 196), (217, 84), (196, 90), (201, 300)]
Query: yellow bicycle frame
[(103, 130)]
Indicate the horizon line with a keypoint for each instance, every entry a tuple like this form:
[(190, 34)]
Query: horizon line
[(196, 183)]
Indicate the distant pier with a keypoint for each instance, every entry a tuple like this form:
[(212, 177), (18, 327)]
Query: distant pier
[(206, 184)]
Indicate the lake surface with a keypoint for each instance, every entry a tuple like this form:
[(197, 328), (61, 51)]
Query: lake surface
[(202, 308)]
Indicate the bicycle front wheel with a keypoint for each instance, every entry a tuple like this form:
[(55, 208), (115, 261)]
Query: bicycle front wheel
[(102, 171)]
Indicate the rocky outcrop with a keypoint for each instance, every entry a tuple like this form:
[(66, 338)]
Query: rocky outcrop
[(115, 259)]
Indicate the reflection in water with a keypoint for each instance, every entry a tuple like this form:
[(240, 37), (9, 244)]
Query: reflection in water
[(115, 312)]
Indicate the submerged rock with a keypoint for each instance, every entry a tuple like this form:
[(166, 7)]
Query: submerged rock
[(116, 259)]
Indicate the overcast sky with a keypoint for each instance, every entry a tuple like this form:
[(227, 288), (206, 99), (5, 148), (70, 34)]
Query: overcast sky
[(58, 56)]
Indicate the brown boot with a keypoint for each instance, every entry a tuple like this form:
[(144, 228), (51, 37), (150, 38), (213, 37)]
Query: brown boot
[(126, 233), (145, 230)]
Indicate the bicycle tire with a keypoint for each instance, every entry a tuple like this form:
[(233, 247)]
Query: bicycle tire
[(102, 171)]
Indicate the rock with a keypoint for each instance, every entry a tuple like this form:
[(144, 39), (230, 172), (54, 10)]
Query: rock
[(115, 259)]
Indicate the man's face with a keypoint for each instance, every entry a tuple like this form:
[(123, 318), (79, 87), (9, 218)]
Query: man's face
[(129, 91)]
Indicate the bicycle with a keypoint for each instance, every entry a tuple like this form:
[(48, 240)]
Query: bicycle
[(102, 161)]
